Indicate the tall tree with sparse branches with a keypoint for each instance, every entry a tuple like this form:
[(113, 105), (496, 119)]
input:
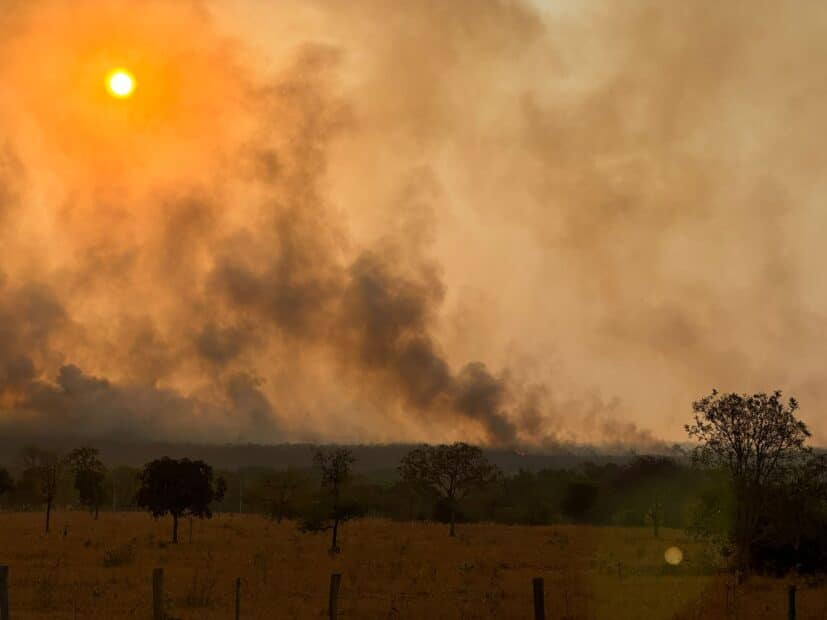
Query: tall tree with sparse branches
[(333, 509), (451, 470), (42, 470), (755, 438)]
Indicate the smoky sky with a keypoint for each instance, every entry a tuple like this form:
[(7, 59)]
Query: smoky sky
[(505, 222)]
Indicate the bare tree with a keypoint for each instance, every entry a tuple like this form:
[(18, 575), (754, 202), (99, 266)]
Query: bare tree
[(333, 510), (451, 470), (275, 493), (754, 438), (41, 471)]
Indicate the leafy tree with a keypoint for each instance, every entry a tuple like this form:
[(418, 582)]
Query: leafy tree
[(41, 473), (452, 471), (90, 477), (754, 438), (179, 488), (333, 509)]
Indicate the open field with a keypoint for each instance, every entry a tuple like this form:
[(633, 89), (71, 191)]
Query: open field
[(390, 570)]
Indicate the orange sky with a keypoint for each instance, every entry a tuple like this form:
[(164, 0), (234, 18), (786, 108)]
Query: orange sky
[(372, 221)]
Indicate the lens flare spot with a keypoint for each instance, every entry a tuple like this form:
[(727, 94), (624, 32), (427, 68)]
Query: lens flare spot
[(121, 83), (673, 556)]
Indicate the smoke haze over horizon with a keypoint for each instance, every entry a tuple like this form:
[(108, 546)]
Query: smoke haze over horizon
[(423, 221)]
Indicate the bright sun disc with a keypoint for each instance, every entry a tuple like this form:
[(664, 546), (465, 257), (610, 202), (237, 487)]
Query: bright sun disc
[(121, 84)]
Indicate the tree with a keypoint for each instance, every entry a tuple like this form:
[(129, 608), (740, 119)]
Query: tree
[(451, 470), (179, 488), (6, 482), (275, 493), (754, 439), (41, 472), (333, 509), (90, 477)]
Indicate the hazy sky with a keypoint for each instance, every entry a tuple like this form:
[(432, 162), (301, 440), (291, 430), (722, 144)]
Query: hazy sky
[(380, 221)]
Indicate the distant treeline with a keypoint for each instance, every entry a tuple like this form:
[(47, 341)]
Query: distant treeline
[(751, 486), (646, 491)]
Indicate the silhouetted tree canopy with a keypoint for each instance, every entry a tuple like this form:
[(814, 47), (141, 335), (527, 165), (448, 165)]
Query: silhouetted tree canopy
[(756, 439), (451, 470), (179, 488)]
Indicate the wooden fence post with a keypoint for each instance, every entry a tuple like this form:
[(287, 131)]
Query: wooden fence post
[(4, 593), (539, 599), (333, 600), (158, 594), (791, 612), (237, 598)]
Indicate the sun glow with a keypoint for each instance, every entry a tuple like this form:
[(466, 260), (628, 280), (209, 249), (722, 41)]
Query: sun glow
[(121, 83)]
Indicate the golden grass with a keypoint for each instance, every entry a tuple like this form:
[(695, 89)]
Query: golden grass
[(390, 570)]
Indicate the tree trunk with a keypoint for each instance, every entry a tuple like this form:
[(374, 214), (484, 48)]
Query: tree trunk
[(333, 547), (48, 513), (96, 512), (453, 531), (175, 528)]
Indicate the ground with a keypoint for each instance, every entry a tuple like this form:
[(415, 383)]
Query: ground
[(102, 569)]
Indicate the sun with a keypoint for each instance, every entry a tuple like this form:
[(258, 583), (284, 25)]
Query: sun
[(120, 83)]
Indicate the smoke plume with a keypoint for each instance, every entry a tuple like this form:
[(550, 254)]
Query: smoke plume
[(505, 222)]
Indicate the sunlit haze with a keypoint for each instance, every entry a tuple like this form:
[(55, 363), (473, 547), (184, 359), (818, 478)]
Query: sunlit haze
[(228, 220)]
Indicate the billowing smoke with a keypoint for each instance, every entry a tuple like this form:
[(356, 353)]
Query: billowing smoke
[(498, 221)]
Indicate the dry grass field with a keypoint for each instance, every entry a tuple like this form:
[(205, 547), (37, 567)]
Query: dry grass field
[(390, 570)]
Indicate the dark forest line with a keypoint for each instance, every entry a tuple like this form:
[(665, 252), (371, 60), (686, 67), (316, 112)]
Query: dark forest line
[(751, 485)]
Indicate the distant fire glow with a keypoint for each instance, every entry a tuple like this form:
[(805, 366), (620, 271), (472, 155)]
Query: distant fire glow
[(121, 83)]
